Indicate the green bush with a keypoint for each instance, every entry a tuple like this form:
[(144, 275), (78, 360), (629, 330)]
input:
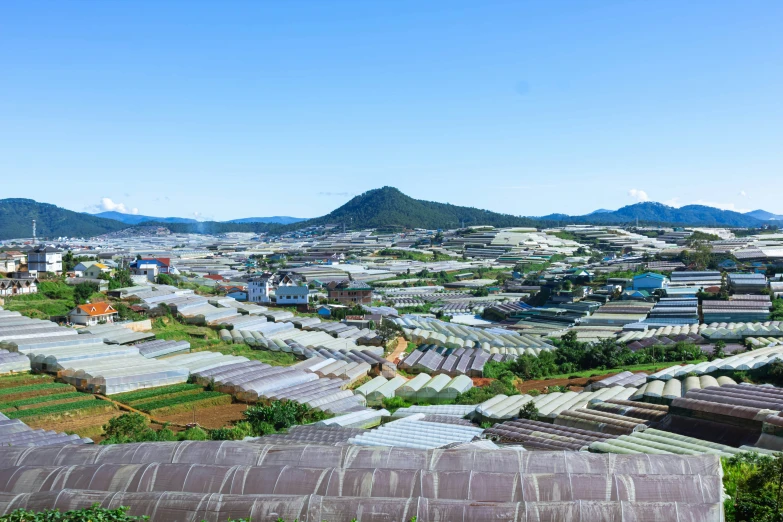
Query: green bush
[(395, 403), (281, 415)]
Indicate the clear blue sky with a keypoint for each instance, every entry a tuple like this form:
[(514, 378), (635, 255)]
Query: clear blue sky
[(233, 109)]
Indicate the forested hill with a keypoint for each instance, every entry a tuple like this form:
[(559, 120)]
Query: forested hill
[(17, 215), (389, 208), (650, 212)]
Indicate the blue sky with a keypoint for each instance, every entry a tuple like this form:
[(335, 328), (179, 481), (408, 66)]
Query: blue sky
[(233, 109)]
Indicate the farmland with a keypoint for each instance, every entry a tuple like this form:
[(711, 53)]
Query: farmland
[(171, 400), (40, 402)]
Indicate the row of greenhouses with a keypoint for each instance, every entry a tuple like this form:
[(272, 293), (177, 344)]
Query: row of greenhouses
[(414, 432), (656, 442), (742, 362), (431, 331), (663, 392), (422, 387), (549, 405)]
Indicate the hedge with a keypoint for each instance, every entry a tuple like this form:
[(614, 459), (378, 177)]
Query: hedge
[(154, 392)]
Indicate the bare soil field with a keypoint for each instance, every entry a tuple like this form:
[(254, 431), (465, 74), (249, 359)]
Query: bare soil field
[(213, 417)]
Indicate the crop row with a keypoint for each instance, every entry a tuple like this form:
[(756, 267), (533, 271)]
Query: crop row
[(148, 393), (80, 407), (43, 398), (36, 387), (186, 399), (164, 397), (10, 381)]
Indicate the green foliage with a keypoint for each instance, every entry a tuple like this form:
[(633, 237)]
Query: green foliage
[(477, 395), (165, 279), (55, 290), (395, 403), (147, 393), (529, 411), (405, 254), (95, 513), (754, 483), (281, 415), (699, 236), (83, 291), (388, 330), (120, 279), (128, 427), (777, 310), (237, 432), (16, 216)]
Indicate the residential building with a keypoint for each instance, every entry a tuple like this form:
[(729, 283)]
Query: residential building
[(292, 295), (11, 287), (92, 313), (259, 289), (96, 270), (650, 281), (11, 261), (149, 270), (350, 292), (45, 259)]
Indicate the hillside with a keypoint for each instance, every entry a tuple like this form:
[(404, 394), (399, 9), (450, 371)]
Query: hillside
[(135, 219), (764, 215), (657, 213), (389, 208), (16, 220), (281, 220)]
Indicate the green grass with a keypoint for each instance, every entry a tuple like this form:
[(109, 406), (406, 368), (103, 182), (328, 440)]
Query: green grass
[(44, 398), (59, 409), (36, 387), (174, 331), (149, 393), (650, 367)]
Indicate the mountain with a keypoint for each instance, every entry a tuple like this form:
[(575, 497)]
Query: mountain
[(17, 215), (389, 208), (651, 212), (135, 219), (281, 220), (599, 211), (763, 215)]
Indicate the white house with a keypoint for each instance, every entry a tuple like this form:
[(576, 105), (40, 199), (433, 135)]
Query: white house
[(92, 313), (147, 269), (259, 289), (9, 287), (45, 259)]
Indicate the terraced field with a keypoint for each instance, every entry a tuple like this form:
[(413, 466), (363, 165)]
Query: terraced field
[(170, 400), (42, 403)]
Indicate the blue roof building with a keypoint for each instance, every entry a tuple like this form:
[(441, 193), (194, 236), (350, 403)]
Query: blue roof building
[(650, 281)]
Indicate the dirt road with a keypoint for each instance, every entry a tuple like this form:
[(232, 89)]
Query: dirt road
[(402, 344)]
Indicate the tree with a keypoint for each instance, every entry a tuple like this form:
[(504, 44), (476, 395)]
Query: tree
[(83, 291), (165, 279), (529, 411), (387, 330), (68, 261), (717, 350)]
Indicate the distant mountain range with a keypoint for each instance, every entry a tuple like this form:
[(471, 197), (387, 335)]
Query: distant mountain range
[(135, 219), (385, 208), (764, 215), (657, 213)]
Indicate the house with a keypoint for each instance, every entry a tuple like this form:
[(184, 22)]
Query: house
[(96, 270), (45, 259), (350, 292), (237, 293), (324, 311), (147, 269), (650, 281), (11, 287), (292, 295), (11, 261), (259, 289), (91, 314)]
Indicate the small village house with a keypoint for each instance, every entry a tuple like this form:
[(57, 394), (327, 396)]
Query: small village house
[(350, 292), (91, 314)]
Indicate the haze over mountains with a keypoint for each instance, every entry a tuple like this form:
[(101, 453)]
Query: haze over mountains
[(385, 208)]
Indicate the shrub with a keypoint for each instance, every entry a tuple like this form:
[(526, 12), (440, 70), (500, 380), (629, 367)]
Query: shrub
[(281, 415), (94, 513)]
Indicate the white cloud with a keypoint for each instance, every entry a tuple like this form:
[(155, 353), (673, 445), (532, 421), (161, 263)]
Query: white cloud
[(744, 194), (199, 216), (110, 206), (638, 195), (674, 202)]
